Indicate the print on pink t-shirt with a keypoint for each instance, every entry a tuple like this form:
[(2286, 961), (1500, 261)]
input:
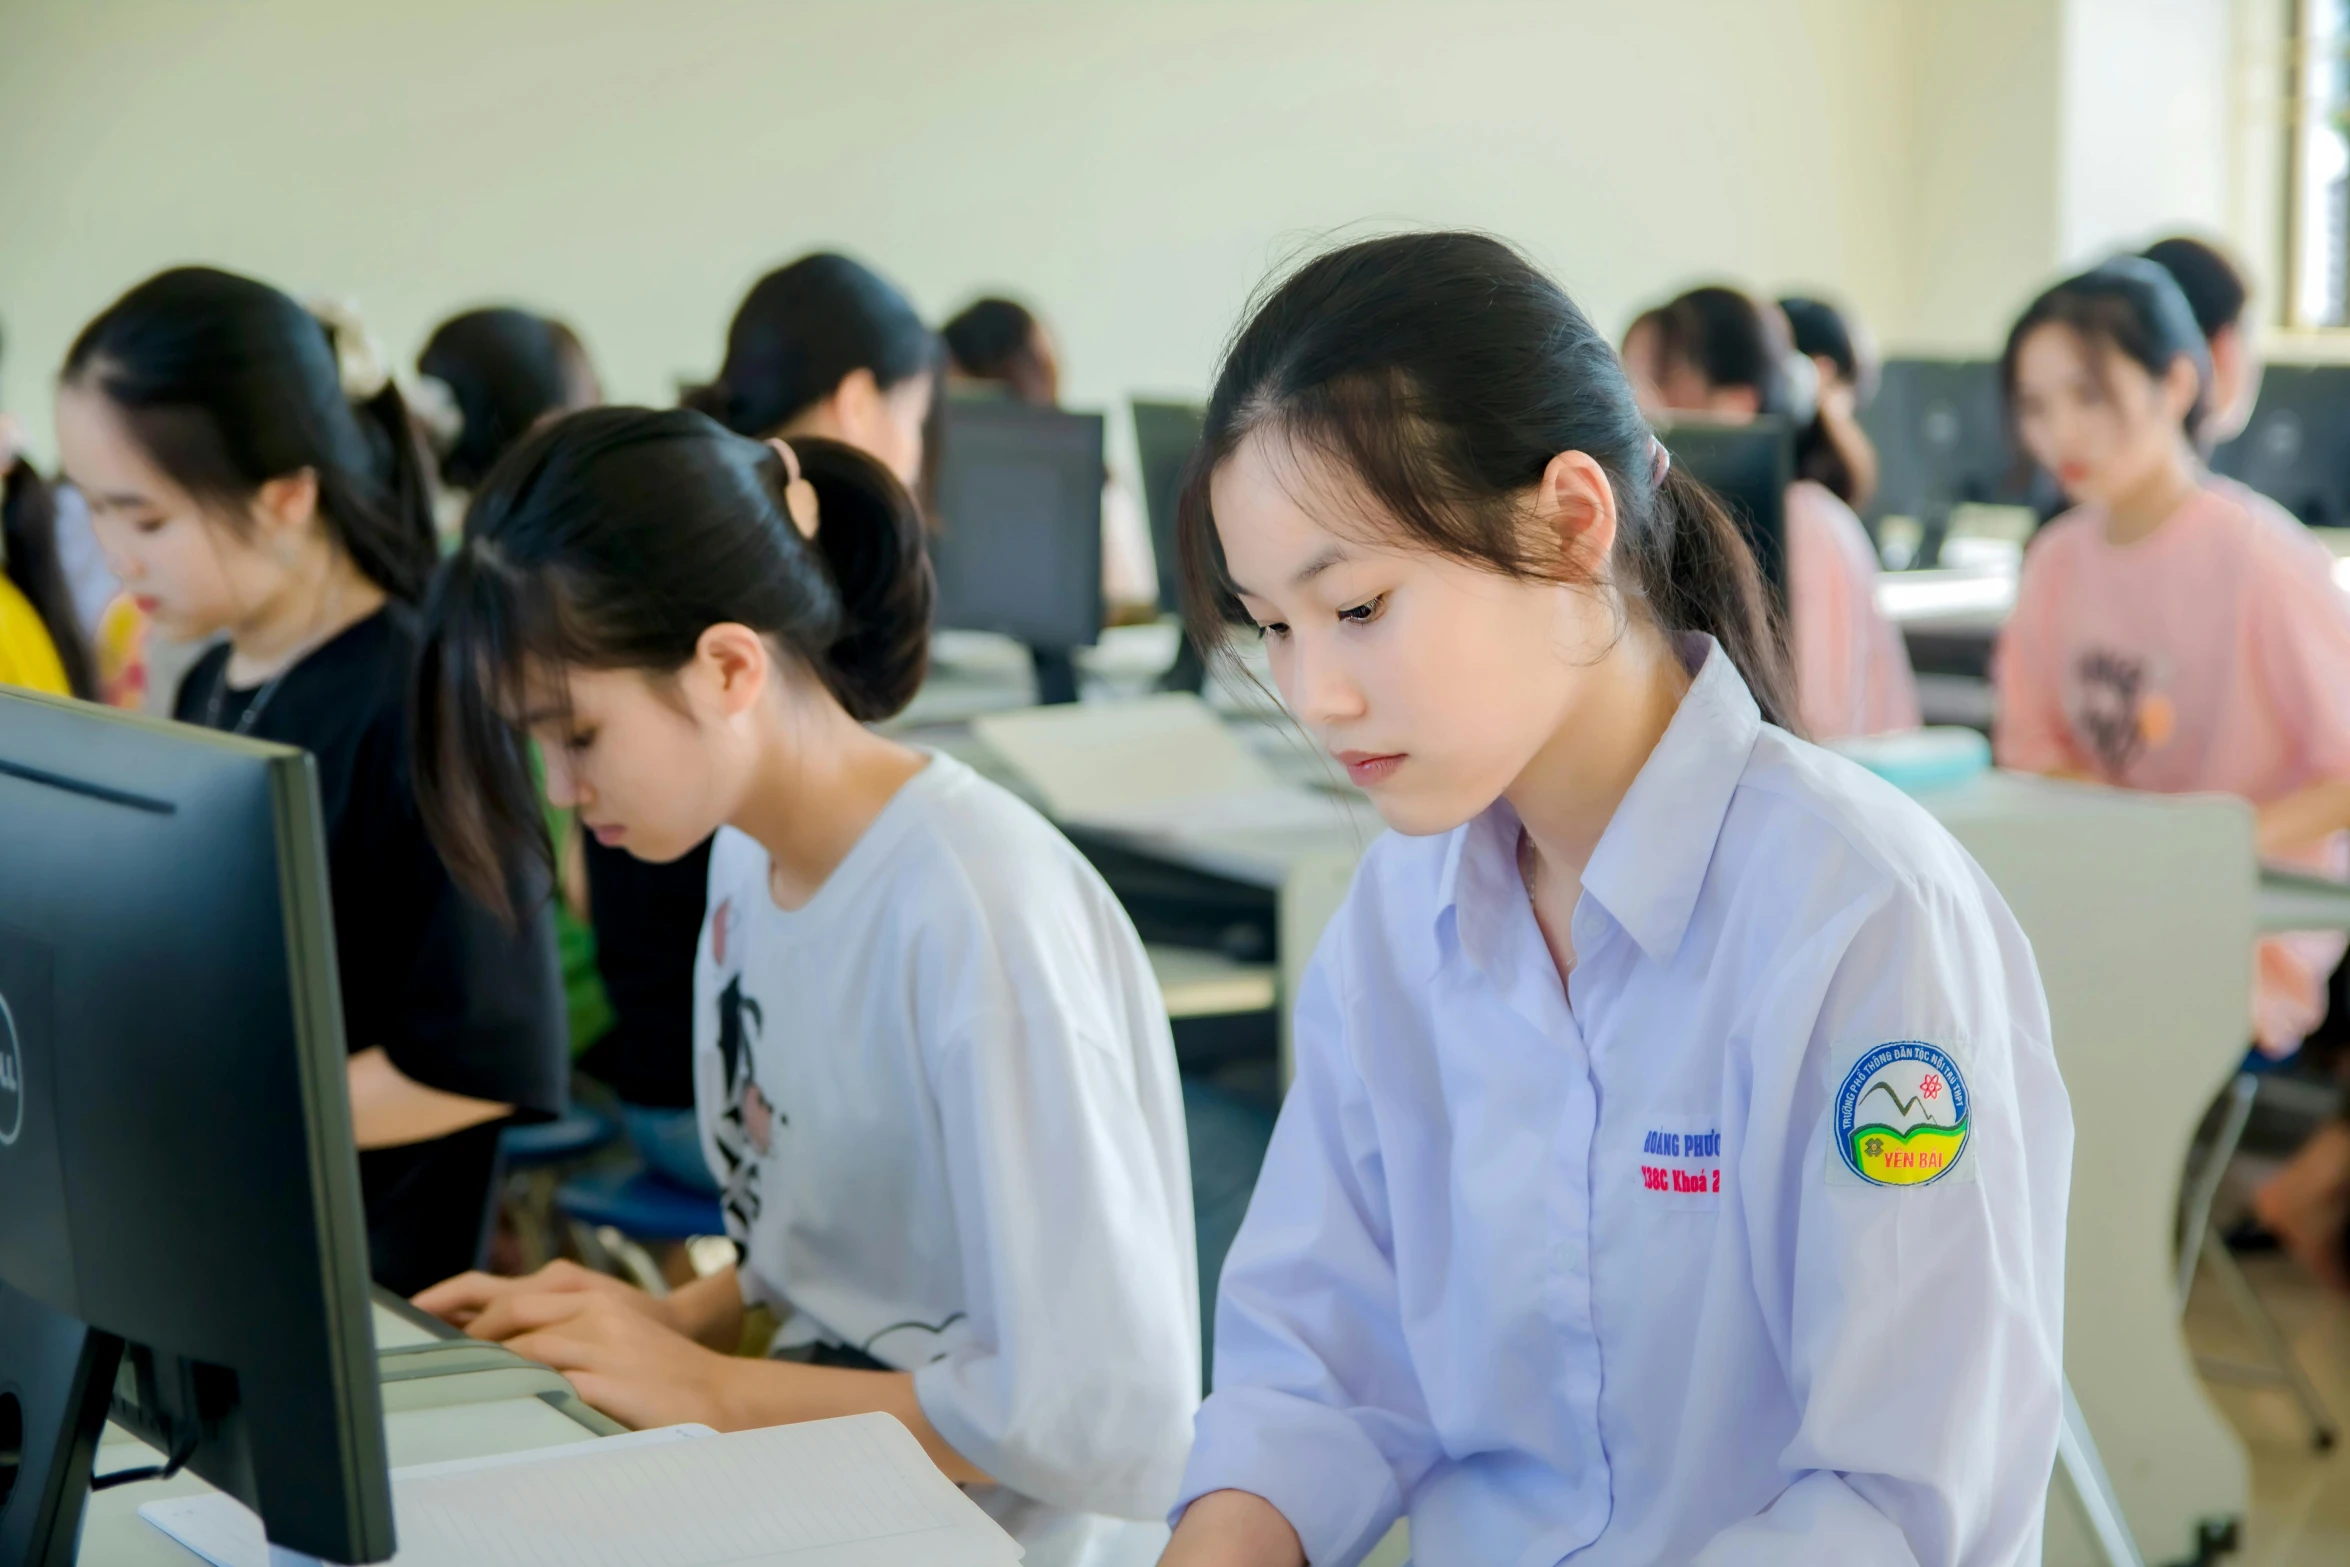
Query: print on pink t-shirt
[(2211, 655), (1852, 674)]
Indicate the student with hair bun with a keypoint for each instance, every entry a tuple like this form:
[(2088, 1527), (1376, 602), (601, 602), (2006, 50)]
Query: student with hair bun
[(1721, 353), (932, 1065), (2216, 291), (252, 477), (1840, 454), (1675, 1123), (827, 346)]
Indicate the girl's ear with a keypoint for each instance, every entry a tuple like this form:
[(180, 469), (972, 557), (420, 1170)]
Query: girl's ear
[(2178, 389), (1575, 513), (285, 506), (730, 668), (857, 407)]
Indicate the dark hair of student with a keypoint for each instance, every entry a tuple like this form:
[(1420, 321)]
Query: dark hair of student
[(2130, 307), (1733, 339), (28, 554), (1444, 371), (1820, 332), (995, 340), (506, 369), (612, 539), (228, 383), (2214, 287), (801, 331)]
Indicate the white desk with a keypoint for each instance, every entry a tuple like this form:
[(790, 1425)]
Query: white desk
[(429, 1416)]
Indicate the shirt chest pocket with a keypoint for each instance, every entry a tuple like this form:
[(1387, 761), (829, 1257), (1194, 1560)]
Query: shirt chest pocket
[(1670, 1161)]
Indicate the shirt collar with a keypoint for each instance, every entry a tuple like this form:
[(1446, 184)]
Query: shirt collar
[(1650, 863)]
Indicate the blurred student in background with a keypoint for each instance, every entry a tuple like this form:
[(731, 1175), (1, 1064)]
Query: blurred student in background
[(1844, 366), (488, 377), (485, 379), (2218, 294), (827, 346), (824, 346), (997, 342), (1722, 354), (42, 646), (253, 476), (2175, 632)]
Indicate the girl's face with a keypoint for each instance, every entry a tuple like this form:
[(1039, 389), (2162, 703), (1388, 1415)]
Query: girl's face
[(1433, 681), (2094, 417), (651, 763), (884, 422), (191, 573)]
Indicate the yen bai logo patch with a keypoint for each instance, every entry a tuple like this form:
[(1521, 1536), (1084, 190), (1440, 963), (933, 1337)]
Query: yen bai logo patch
[(11, 1078), (1902, 1115)]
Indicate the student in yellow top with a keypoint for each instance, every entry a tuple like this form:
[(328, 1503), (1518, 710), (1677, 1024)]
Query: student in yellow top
[(41, 642)]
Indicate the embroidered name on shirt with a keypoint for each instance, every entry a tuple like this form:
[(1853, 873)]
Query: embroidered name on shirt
[(1687, 1144)]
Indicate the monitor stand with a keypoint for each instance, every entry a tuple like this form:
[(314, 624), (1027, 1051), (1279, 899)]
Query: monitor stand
[(56, 1382), (1056, 675)]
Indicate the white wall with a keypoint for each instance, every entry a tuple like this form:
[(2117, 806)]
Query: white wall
[(1133, 166)]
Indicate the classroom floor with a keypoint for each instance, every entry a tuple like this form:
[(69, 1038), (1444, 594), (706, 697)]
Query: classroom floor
[(2300, 1498)]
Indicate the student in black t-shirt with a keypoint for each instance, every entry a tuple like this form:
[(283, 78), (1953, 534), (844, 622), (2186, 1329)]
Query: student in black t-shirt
[(250, 476)]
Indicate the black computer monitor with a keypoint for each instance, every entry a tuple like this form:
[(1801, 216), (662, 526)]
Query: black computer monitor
[(181, 1241), (1750, 466), (1164, 435), (2296, 448), (1018, 543), (1941, 432)]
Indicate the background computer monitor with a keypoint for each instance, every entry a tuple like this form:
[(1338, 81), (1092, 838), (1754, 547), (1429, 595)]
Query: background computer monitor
[(1164, 435), (2296, 448), (1941, 432), (182, 1227), (1018, 542), (1749, 466)]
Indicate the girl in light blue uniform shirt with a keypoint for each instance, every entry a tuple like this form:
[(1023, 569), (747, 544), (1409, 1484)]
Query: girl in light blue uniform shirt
[(1676, 1165)]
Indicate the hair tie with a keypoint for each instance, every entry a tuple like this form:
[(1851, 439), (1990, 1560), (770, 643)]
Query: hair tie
[(359, 361), (434, 402), (1660, 462), (799, 496)]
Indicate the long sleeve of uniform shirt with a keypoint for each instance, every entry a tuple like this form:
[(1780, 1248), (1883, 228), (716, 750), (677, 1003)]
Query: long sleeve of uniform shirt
[(1744, 1246)]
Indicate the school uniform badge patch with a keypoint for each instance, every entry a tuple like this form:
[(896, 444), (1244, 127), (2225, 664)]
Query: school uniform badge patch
[(1901, 1118)]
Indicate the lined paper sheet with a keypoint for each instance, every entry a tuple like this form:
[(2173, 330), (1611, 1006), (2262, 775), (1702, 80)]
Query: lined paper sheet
[(856, 1492)]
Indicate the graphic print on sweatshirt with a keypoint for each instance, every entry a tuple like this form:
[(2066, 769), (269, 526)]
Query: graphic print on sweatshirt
[(2120, 709), (747, 1119)]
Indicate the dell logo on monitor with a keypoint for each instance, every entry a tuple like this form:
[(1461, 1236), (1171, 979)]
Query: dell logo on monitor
[(11, 1078)]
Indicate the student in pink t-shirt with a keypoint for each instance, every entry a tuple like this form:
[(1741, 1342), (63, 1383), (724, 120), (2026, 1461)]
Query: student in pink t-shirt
[(2172, 632), (1724, 354)]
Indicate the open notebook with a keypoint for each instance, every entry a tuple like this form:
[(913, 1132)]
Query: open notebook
[(854, 1492)]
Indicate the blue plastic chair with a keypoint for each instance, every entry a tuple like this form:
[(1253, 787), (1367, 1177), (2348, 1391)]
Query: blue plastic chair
[(575, 1134)]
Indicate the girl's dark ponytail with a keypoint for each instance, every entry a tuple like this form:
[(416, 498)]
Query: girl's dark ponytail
[(1710, 583), (872, 542), (392, 539), (28, 551)]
